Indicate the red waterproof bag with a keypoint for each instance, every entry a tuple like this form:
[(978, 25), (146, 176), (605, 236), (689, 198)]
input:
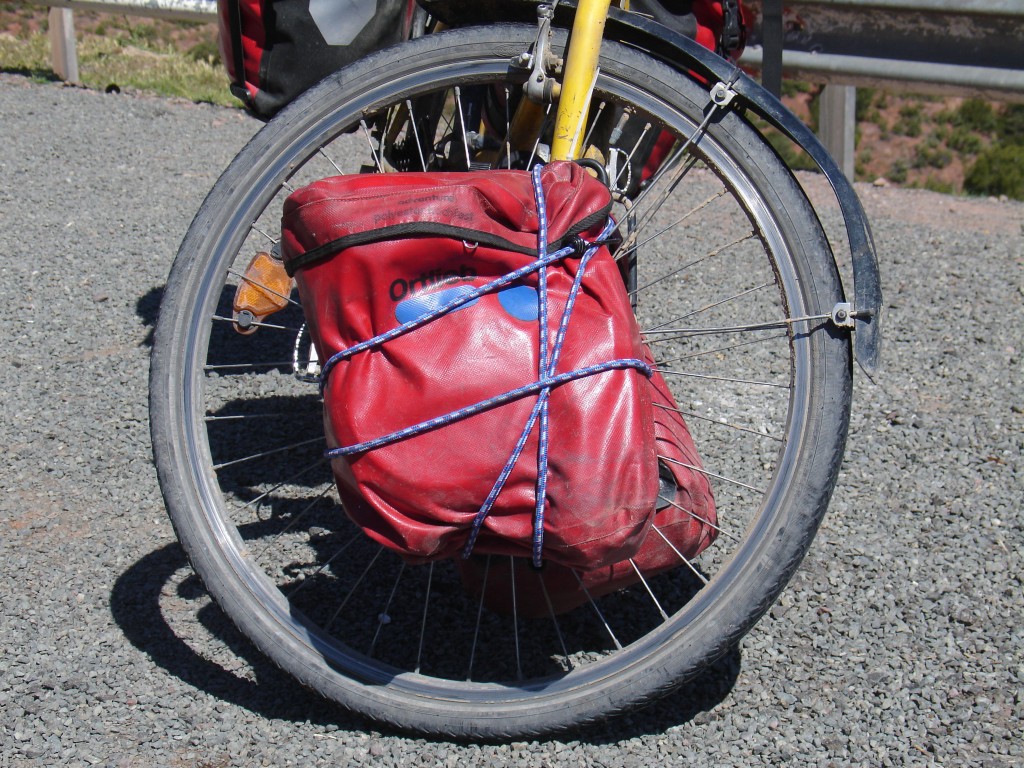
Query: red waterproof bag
[(426, 295)]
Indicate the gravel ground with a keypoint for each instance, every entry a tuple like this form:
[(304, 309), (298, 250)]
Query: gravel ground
[(898, 643)]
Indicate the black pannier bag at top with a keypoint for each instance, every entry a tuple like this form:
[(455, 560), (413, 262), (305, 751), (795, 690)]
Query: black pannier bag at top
[(274, 50)]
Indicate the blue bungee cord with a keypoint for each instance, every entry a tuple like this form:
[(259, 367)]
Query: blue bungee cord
[(547, 380)]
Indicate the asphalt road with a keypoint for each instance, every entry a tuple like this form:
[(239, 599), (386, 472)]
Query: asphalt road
[(900, 641)]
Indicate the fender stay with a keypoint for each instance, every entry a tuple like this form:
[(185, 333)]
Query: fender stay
[(687, 56)]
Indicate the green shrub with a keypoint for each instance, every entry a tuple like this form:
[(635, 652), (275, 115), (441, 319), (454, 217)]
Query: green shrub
[(907, 126), (791, 155), (909, 121), (999, 170), (865, 98), (144, 33), (1011, 124), (205, 50), (814, 111), (963, 141), (976, 115), (930, 155), (898, 172), (937, 185), (794, 87)]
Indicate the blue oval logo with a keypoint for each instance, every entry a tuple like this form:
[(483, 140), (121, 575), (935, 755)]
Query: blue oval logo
[(520, 302), (425, 303)]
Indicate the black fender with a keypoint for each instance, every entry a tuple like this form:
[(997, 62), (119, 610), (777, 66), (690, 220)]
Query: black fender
[(692, 59), (687, 56)]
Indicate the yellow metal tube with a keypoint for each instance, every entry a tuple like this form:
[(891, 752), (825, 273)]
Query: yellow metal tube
[(580, 70)]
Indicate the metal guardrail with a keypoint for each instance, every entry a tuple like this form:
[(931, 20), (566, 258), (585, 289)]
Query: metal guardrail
[(972, 47), (965, 45), (194, 10)]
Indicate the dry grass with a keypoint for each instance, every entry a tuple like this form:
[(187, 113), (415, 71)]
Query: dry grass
[(175, 59)]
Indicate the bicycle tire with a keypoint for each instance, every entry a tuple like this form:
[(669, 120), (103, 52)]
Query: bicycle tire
[(785, 446)]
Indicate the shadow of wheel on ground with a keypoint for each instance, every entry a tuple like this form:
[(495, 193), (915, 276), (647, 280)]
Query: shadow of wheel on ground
[(164, 611)]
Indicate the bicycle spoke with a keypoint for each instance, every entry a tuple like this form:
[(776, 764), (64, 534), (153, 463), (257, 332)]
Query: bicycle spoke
[(647, 587), (705, 472), (272, 452), (449, 125), (416, 134), (384, 617), (709, 307), (294, 521), (423, 623), (731, 379), (479, 615), (692, 415), (248, 366), (683, 333), (697, 517), (646, 217), (373, 150), (320, 569), (686, 267), (629, 156), (554, 621), (536, 144), (597, 610), (329, 160), (720, 350), (283, 483), (462, 122), (593, 124), (515, 617), (251, 416), (255, 324), (679, 554), (507, 143), (352, 589), (259, 231)]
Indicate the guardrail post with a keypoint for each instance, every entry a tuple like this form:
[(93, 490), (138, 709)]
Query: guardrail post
[(772, 32), (63, 54), (836, 124)]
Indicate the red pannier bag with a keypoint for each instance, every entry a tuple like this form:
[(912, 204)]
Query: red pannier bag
[(425, 294)]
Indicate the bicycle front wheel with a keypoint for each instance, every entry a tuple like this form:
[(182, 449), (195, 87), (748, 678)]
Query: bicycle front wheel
[(732, 282)]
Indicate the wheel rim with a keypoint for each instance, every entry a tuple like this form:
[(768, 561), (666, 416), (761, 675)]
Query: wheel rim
[(219, 488)]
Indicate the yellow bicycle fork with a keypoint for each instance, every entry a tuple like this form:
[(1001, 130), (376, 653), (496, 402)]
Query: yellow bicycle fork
[(579, 77)]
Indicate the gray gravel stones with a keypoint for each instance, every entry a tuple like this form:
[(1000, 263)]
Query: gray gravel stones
[(898, 643)]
